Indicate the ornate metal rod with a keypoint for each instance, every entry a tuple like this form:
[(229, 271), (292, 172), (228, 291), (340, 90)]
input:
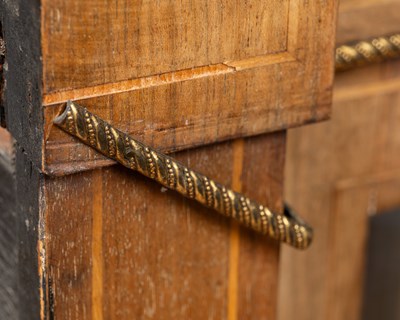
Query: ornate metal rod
[(112, 143), (361, 53)]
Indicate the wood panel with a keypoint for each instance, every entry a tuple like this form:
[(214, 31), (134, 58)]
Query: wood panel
[(262, 177), (363, 19), (355, 201), (185, 73), (108, 244), (360, 142), (187, 122), (86, 43), (179, 87), (131, 249)]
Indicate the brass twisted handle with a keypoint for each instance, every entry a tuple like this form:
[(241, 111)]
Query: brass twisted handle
[(111, 142), (367, 51)]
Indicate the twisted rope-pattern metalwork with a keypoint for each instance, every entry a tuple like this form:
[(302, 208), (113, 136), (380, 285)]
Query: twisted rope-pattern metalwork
[(363, 52), (111, 142)]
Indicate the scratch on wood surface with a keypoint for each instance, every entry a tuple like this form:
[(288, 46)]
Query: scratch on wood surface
[(165, 78), (150, 306), (136, 84)]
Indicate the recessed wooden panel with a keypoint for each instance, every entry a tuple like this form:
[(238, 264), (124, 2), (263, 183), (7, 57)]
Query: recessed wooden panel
[(355, 200), (86, 43), (219, 71), (361, 143)]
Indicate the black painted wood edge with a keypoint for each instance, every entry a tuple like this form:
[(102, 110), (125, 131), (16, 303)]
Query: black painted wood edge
[(22, 71), (30, 225)]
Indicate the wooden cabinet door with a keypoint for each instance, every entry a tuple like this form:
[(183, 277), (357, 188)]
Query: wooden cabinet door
[(350, 170), (218, 81)]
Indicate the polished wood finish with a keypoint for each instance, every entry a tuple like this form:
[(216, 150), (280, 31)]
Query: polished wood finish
[(88, 43), (184, 74)]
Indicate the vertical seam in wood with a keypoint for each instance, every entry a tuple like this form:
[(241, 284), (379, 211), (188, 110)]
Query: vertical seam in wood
[(234, 237), (97, 246), (41, 247)]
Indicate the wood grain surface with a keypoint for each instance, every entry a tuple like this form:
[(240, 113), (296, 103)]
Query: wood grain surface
[(109, 244), (360, 144), (86, 43), (363, 19), (119, 246), (181, 74)]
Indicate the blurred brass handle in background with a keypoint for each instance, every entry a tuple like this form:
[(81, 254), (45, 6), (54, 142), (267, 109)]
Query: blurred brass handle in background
[(360, 53), (111, 142)]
